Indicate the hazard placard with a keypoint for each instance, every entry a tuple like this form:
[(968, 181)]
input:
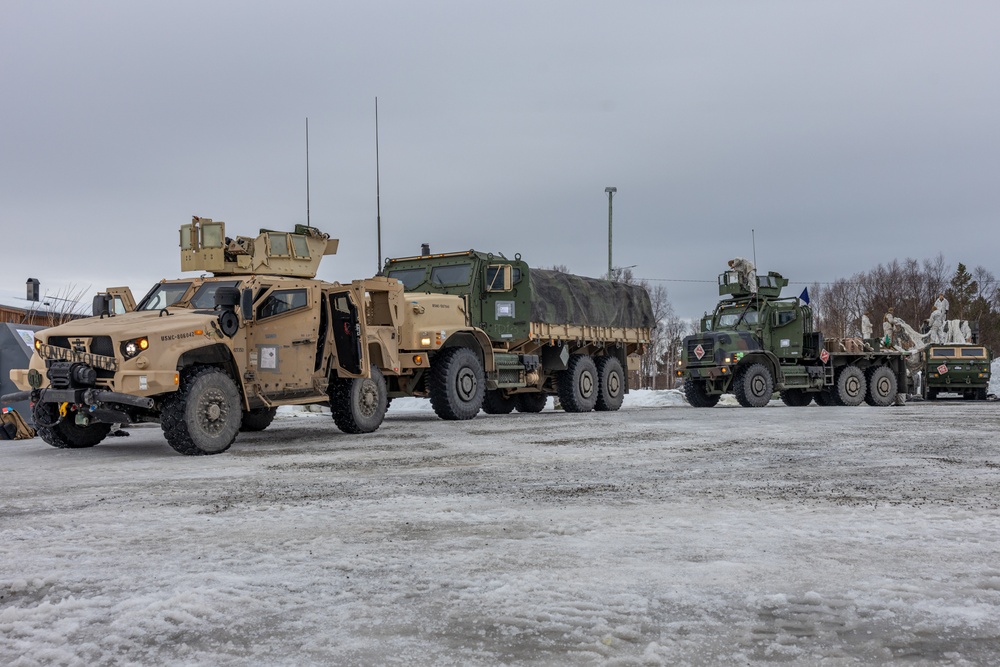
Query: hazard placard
[(942, 369), (824, 356), (699, 352)]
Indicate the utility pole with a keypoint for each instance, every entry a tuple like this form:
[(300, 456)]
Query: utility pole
[(611, 193)]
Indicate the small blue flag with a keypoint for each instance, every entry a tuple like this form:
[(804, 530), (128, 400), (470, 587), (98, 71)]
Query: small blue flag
[(805, 296)]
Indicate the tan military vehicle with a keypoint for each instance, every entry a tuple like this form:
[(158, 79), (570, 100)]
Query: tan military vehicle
[(212, 355)]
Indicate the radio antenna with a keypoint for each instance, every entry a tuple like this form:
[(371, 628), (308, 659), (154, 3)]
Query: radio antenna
[(308, 219), (378, 194), (753, 240)]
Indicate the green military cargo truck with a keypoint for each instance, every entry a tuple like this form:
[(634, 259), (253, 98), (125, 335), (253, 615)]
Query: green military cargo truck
[(757, 342), (957, 369), (549, 332)]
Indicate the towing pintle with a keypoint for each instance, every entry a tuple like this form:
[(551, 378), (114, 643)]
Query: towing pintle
[(205, 247)]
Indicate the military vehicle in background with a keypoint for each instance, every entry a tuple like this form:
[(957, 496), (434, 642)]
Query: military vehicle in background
[(959, 369), (543, 333), (757, 342)]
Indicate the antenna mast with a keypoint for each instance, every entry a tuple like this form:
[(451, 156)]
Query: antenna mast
[(378, 194), (308, 219), (753, 240)]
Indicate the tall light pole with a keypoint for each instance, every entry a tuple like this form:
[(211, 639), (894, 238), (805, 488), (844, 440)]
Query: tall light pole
[(611, 193)]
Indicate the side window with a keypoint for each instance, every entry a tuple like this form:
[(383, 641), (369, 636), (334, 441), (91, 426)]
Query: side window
[(498, 278), (119, 306), (281, 301), (783, 317)]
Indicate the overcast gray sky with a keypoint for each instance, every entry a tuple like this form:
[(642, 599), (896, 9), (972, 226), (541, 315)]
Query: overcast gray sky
[(845, 133)]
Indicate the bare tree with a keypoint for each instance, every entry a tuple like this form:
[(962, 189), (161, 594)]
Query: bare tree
[(55, 309)]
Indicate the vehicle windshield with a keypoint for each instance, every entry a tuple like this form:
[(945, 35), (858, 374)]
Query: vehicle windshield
[(729, 318), (455, 274), (409, 277), (163, 295), (204, 297)]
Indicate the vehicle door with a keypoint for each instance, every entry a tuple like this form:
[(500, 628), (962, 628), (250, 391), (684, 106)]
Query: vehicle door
[(347, 334), (122, 300), (282, 339), (786, 331)]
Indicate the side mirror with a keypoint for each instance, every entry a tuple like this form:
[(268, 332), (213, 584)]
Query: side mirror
[(102, 305)]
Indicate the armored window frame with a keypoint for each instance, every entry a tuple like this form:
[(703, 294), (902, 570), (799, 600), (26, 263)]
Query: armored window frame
[(300, 247), (278, 245), (280, 302), (974, 352), (943, 353), (213, 234), (189, 237), (502, 272)]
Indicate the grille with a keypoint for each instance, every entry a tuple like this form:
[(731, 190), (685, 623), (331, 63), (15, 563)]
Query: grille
[(102, 345)]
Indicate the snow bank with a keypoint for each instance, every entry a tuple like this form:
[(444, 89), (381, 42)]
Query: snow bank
[(995, 378)]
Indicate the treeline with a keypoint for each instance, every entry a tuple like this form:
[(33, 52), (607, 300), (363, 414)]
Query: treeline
[(910, 288)]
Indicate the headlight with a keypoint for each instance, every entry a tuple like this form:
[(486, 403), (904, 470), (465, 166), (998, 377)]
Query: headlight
[(38, 344), (131, 348)]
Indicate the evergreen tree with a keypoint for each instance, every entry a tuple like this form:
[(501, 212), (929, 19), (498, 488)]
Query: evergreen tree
[(961, 293)]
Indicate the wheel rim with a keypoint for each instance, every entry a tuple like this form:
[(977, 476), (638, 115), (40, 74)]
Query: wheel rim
[(368, 400), (466, 384), (852, 386), (883, 386), (614, 384), (586, 384), (213, 411), (758, 385)]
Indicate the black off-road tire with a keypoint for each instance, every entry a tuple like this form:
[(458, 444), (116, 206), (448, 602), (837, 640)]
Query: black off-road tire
[(358, 405), (696, 393), (258, 419), (456, 383), (850, 387), (611, 384), (202, 417), (796, 398), (66, 434), (826, 398), (578, 384), (495, 403), (753, 386), (882, 386), (531, 402)]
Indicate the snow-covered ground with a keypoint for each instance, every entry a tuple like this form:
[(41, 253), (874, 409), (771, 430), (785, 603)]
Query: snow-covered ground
[(657, 535)]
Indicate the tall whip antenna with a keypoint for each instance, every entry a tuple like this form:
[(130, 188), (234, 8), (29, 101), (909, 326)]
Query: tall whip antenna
[(378, 194), (753, 240), (308, 219)]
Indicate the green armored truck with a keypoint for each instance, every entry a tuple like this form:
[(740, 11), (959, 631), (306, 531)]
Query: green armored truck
[(959, 369), (758, 342), (546, 332)]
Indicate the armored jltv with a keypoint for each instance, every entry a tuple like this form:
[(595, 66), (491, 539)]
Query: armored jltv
[(211, 355), (756, 343)]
